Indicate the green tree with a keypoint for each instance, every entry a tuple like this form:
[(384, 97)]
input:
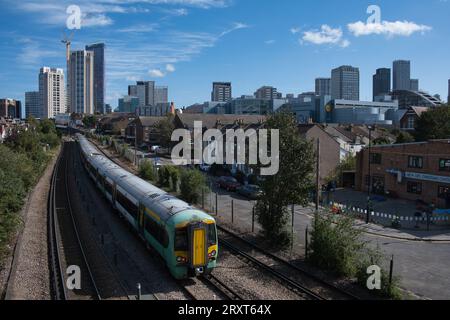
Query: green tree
[(90, 121), (174, 177), (192, 182), (292, 183), (433, 124), (165, 129), (335, 244), (146, 171), (404, 137), (348, 164)]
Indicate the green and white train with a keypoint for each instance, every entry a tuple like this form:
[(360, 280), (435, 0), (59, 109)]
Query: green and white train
[(185, 237)]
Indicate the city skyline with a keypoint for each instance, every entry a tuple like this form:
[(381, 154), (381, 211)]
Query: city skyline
[(182, 54)]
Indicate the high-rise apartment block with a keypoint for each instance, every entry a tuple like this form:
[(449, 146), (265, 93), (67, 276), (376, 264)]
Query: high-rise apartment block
[(81, 93), (161, 95), (99, 76), (51, 92), (221, 92), (381, 83), (345, 83), (10, 108), (323, 86), (266, 93)]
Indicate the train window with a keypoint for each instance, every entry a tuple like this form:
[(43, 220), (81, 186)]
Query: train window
[(108, 187), (181, 240), (157, 231), (212, 235), (129, 206)]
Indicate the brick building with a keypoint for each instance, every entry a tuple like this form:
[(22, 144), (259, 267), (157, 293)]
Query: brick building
[(147, 131), (413, 171)]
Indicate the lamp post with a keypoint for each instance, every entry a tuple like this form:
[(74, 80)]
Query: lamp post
[(369, 187)]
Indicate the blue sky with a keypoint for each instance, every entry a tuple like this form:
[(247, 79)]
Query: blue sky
[(188, 44)]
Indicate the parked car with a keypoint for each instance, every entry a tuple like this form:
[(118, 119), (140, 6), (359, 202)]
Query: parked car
[(250, 191), (204, 167), (228, 183), (155, 148)]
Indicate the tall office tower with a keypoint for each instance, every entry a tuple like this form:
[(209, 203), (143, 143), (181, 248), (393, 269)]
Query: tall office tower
[(414, 85), (266, 93), (402, 75), (145, 91), (33, 105), (161, 95), (99, 76), (323, 86), (52, 92), (10, 108), (345, 83), (82, 82), (221, 92), (132, 90), (448, 97), (381, 82)]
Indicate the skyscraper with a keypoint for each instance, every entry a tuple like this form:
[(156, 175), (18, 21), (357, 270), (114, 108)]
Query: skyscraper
[(402, 75), (266, 93), (448, 97), (345, 83), (381, 82), (414, 85), (51, 92), (323, 86), (221, 92), (161, 95), (99, 76), (33, 105), (82, 82)]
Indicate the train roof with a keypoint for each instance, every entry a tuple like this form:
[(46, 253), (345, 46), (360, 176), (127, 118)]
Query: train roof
[(158, 201)]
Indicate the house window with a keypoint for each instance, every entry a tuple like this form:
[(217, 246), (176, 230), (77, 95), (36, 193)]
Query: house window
[(415, 162), (414, 187), (444, 165), (411, 123), (375, 158), (444, 192)]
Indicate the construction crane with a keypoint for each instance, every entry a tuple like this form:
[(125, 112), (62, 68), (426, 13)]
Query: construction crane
[(67, 40)]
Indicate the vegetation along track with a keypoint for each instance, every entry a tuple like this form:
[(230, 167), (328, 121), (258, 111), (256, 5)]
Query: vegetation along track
[(292, 275)]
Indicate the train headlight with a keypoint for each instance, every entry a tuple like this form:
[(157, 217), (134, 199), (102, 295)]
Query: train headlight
[(179, 259), (213, 254)]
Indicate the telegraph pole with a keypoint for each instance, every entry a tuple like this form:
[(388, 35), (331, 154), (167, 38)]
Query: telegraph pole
[(318, 189)]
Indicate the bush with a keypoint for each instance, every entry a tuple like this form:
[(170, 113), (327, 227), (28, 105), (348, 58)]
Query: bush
[(376, 257), (335, 245), (146, 171), (192, 182), (174, 177)]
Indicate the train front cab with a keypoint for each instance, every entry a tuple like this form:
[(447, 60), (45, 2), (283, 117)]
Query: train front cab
[(195, 249)]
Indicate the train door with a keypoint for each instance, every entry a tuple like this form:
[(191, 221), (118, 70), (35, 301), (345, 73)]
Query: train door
[(198, 245), (141, 221)]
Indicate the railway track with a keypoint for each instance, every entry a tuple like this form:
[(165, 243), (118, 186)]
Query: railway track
[(220, 286), (66, 248), (282, 276)]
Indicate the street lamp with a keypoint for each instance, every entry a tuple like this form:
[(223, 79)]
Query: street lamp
[(369, 187)]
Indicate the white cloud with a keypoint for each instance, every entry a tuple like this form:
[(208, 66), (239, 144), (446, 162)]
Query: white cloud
[(390, 29), (170, 68), (295, 30), (326, 35), (156, 73), (140, 28), (236, 26), (269, 42)]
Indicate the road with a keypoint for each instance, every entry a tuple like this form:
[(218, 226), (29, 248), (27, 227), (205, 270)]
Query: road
[(422, 266)]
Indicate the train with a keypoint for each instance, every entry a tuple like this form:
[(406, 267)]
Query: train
[(184, 236)]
